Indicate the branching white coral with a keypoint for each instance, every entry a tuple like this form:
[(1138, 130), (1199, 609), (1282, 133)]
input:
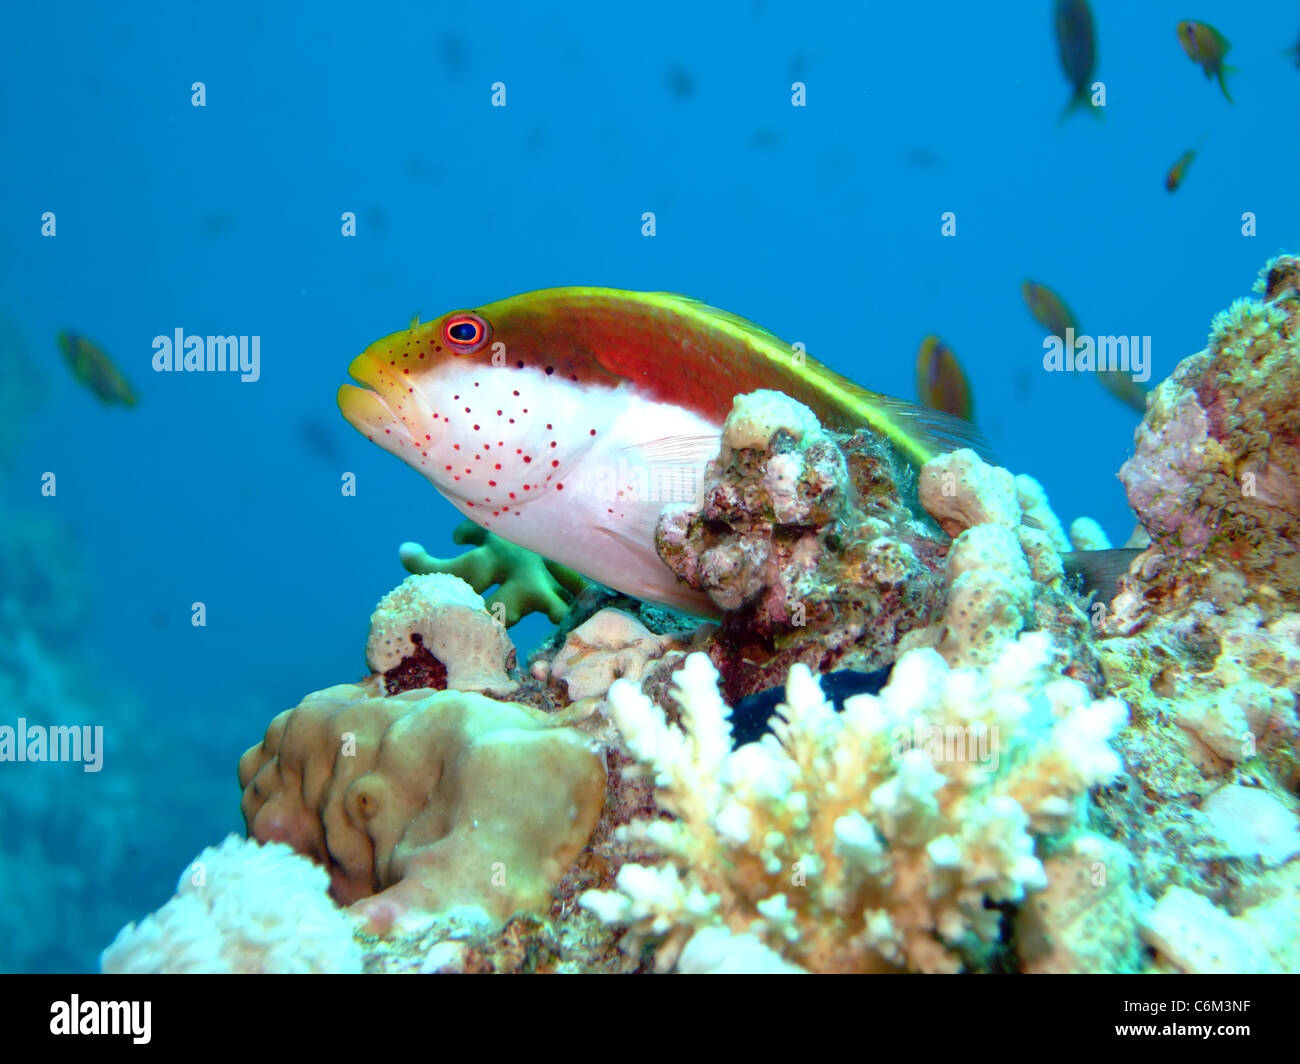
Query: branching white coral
[(868, 839)]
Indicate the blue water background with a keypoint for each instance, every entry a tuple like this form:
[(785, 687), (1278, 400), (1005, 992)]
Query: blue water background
[(822, 223)]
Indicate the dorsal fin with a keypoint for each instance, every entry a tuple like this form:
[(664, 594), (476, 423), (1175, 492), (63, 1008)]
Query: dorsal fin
[(917, 432), (936, 431)]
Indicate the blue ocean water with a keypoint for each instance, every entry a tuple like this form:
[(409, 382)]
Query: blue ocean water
[(820, 222)]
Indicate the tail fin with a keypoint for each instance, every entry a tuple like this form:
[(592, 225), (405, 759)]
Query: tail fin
[(1080, 99), (1223, 72)]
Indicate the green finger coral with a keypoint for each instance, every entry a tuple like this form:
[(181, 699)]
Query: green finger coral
[(525, 581)]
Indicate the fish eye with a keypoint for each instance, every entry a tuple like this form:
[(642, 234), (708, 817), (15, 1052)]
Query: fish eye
[(465, 332)]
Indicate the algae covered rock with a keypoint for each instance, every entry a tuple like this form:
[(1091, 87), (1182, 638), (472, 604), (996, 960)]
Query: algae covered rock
[(1215, 475)]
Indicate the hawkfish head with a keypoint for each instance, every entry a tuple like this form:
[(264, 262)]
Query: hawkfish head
[(514, 413), (492, 405)]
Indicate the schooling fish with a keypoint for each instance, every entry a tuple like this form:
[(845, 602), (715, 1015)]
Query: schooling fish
[(1077, 45), (1051, 312), (93, 368), (1179, 170), (941, 383), (1207, 46), (1048, 308), (566, 419)]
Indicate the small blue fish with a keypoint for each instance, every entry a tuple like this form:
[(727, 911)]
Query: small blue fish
[(1077, 44)]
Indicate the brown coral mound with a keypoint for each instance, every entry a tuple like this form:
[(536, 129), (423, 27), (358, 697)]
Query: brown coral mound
[(420, 803)]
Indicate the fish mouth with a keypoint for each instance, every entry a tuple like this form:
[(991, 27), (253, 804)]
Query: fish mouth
[(367, 410), (364, 370)]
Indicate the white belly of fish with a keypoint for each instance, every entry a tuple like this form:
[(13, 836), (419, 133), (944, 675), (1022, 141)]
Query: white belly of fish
[(578, 474)]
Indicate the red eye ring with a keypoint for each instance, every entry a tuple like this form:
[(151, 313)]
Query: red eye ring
[(465, 332)]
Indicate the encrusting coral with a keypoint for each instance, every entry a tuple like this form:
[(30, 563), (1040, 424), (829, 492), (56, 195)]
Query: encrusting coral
[(608, 646), (867, 840), (804, 541), (819, 548), (526, 582), (1191, 934), (423, 803), (435, 631), (1203, 639), (1215, 477), (1085, 920)]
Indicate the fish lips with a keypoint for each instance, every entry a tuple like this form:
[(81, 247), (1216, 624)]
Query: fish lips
[(366, 409)]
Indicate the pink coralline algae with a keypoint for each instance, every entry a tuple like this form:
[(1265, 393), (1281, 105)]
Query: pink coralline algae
[(1215, 477)]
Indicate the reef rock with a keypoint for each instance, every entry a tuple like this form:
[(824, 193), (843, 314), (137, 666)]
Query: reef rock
[(1215, 475), (805, 542)]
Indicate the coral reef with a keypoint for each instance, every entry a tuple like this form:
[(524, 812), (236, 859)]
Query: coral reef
[(868, 840), (526, 582), (71, 841), (1191, 934), (1044, 784), (607, 646), (434, 631), (241, 907), (1215, 477), (805, 542), (821, 549), (1203, 639), (423, 803)]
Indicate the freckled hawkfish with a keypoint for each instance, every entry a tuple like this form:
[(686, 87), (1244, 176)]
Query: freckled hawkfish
[(565, 419)]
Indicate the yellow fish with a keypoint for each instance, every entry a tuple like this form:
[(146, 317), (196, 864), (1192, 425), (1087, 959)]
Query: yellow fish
[(565, 419), (1050, 311), (1207, 46), (93, 368)]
